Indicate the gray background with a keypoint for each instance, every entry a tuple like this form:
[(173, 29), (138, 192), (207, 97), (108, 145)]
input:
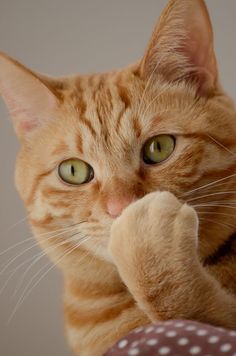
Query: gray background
[(61, 37)]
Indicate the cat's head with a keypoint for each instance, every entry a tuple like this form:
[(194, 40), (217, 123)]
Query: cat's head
[(91, 145)]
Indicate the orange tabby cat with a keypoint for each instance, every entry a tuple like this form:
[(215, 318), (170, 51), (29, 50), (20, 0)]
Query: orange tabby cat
[(132, 175)]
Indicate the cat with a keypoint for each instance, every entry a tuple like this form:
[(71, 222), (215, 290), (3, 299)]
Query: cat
[(128, 178)]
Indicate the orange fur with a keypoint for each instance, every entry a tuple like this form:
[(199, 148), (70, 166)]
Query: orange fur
[(158, 260)]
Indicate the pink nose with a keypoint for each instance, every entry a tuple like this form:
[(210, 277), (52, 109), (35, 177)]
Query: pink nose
[(115, 206)]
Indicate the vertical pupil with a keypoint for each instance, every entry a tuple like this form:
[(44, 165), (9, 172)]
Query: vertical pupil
[(72, 170), (158, 146)]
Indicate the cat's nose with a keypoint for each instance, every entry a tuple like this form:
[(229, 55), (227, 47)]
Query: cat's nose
[(115, 206)]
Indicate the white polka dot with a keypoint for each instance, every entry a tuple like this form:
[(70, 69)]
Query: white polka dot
[(133, 352), (138, 330), (171, 333), (221, 329), (202, 332), (225, 347), (232, 333), (195, 350), (149, 329), (152, 342), (179, 324), (213, 339), (183, 341), (190, 327), (122, 344), (164, 350), (160, 330)]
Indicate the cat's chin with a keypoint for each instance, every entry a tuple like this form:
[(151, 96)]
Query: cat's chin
[(101, 251)]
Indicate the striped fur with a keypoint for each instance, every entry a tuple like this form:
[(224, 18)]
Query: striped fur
[(105, 119)]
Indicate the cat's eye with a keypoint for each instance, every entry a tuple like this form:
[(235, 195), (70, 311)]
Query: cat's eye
[(157, 149), (75, 172)]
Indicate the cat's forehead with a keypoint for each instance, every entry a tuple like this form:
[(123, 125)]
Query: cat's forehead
[(118, 106), (102, 106), (106, 94)]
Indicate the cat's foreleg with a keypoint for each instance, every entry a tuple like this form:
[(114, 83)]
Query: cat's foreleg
[(154, 245)]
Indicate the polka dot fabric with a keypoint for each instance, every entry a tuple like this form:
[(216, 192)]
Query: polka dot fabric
[(177, 338)]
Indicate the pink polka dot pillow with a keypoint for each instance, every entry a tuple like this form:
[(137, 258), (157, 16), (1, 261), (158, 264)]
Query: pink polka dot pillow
[(177, 338)]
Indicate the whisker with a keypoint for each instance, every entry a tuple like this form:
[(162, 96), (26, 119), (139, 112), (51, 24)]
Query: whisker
[(221, 145), (16, 245), (214, 206), (215, 188), (216, 213), (219, 185), (35, 244), (208, 185), (209, 195), (40, 256), (17, 223), (224, 183), (12, 273), (37, 237), (218, 223), (25, 293)]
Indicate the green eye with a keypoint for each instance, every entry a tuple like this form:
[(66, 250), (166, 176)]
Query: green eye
[(75, 171), (158, 149)]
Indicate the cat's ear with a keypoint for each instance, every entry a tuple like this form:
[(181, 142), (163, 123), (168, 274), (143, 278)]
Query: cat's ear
[(181, 47), (28, 98)]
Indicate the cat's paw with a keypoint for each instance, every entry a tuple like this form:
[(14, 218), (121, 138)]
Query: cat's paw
[(159, 221), (154, 246)]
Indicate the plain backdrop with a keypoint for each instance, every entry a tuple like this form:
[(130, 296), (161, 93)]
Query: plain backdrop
[(62, 37)]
